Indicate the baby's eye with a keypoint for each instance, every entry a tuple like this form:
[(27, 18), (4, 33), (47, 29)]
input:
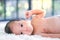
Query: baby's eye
[(21, 33), (21, 25)]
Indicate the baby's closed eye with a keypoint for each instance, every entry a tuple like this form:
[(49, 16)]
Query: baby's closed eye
[(21, 25), (21, 33)]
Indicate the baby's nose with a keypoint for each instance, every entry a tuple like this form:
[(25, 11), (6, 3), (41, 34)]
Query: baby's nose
[(24, 29)]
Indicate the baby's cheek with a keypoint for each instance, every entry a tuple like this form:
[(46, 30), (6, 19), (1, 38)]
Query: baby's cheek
[(16, 31)]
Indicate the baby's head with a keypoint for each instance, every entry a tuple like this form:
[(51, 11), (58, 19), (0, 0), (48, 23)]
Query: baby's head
[(19, 27)]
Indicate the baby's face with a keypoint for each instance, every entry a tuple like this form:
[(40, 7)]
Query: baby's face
[(21, 27)]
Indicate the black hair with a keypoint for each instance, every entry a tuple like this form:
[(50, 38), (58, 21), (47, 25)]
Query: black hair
[(7, 27)]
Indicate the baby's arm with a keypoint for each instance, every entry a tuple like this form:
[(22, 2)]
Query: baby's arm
[(37, 12), (50, 35), (41, 13)]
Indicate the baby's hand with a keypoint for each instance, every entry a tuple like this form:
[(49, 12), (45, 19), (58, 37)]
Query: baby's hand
[(28, 14)]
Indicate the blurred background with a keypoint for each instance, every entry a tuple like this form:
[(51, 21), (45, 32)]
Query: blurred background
[(14, 9)]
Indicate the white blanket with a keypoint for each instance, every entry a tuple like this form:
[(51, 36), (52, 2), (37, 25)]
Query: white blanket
[(4, 36), (24, 37)]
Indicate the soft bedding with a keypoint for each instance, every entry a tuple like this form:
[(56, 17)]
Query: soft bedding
[(24, 37), (5, 36)]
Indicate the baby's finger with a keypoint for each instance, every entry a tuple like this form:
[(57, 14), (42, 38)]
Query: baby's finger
[(27, 14)]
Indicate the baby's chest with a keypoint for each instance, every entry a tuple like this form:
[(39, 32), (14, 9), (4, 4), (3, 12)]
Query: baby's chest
[(39, 25), (39, 22)]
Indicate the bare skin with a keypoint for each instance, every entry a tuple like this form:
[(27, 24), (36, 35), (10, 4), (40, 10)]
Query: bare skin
[(48, 27)]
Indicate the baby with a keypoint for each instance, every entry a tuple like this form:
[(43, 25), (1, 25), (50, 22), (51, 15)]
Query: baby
[(48, 27)]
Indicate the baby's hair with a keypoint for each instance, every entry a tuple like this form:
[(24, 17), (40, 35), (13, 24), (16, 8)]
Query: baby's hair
[(7, 27)]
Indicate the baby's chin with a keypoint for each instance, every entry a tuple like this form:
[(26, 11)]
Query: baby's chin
[(31, 27)]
